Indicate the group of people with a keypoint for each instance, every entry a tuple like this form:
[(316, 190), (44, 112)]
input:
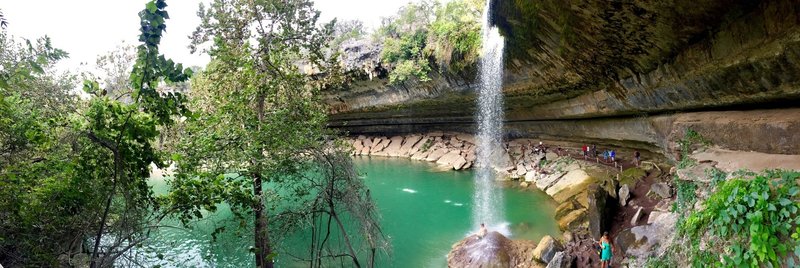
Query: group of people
[(590, 152), (606, 248)]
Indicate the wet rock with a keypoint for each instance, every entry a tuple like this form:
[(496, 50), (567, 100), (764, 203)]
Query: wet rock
[(624, 195), (546, 249), (524, 184), (489, 251), (661, 189)]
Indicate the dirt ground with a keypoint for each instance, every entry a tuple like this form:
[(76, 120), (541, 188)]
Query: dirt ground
[(729, 161)]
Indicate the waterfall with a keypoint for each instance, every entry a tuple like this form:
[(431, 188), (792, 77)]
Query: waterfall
[(488, 200)]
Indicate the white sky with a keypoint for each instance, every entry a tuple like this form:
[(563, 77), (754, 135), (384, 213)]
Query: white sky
[(88, 28)]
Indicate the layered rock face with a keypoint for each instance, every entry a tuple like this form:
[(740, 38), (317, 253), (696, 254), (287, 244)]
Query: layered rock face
[(628, 74)]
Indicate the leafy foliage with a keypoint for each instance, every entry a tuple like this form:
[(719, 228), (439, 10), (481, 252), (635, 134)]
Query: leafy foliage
[(259, 130), (345, 31), (425, 36), (78, 172), (690, 141), (757, 220), (685, 198)]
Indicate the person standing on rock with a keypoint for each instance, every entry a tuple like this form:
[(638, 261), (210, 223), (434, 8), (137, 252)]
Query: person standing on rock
[(606, 250), (613, 155), (482, 231), (636, 156)]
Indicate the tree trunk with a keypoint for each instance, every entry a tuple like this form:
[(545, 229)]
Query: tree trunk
[(262, 249)]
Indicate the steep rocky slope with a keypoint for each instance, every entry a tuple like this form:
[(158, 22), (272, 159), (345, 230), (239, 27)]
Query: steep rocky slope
[(632, 74)]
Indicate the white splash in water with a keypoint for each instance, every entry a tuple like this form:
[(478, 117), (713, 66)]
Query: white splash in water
[(458, 204), (409, 190), (447, 201), (488, 199)]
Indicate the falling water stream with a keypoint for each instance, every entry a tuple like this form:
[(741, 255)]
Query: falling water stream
[(488, 198)]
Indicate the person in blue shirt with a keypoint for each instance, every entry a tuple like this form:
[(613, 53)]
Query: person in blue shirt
[(606, 251)]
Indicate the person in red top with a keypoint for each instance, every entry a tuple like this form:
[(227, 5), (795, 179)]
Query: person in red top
[(585, 151)]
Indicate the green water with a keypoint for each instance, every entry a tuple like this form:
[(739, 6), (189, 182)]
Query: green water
[(424, 211)]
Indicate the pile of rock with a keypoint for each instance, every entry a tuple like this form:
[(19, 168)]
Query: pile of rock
[(451, 150), (456, 151)]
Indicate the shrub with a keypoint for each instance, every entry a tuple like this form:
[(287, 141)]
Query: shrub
[(426, 32), (756, 220)]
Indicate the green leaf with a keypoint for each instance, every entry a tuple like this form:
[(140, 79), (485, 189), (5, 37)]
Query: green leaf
[(151, 6), (794, 191)]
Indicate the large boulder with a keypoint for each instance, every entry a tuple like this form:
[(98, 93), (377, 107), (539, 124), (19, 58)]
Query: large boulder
[(449, 158), (408, 144), (395, 144), (546, 249), (597, 211), (573, 183), (624, 195), (501, 161), (460, 163), (436, 154), (661, 189), (491, 251), (640, 242), (418, 146), (572, 220)]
